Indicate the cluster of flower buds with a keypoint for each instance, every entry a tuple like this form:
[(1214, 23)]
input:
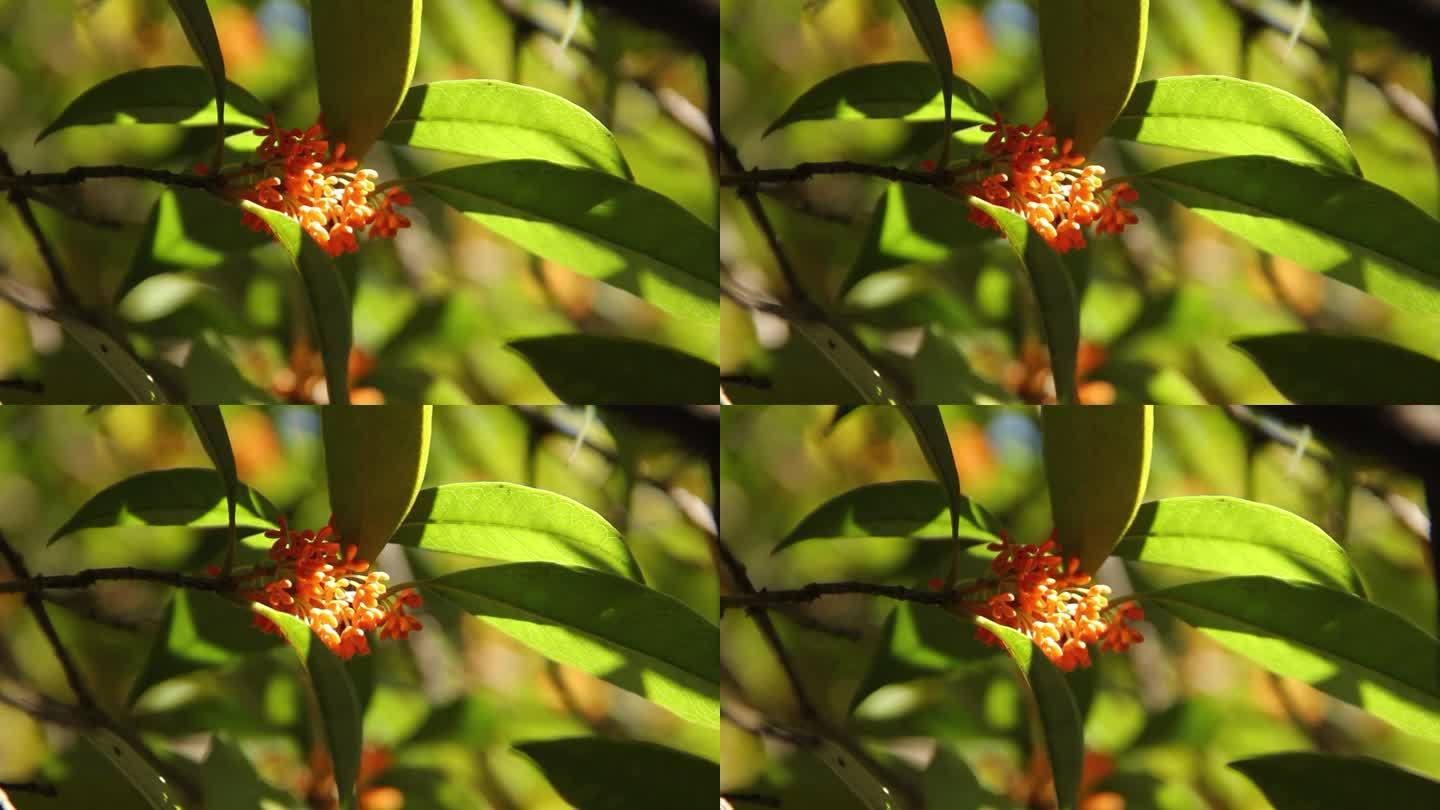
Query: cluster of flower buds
[(1026, 170), (1035, 592), (314, 577), (334, 200)]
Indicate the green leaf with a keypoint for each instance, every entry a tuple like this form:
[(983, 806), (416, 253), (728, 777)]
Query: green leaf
[(1097, 461), (1054, 291), (375, 462), (1314, 368), (176, 94), (1339, 643), (925, 21), (200, 631), (602, 370), (909, 91), (849, 358), (950, 783), (918, 641), (209, 424), (1237, 537), (194, 16), (601, 774), (187, 229), (863, 782), (1229, 116), (500, 521), (636, 638), (900, 509), (327, 300), (928, 426), (231, 783), (503, 121), (597, 225), (137, 770), (1329, 221), (116, 359), (1092, 51), (184, 496), (1059, 716), (334, 694), (913, 224), (1305, 780), (364, 59)]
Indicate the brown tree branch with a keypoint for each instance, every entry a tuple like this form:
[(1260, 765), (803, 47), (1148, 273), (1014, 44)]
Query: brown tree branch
[(26, 584), (27, 217), (79, 174), (765, 598), (800, 173)]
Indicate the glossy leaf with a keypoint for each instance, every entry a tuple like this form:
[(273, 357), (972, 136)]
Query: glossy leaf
[(1059, 716), (364, 59), (928, 426), (913, 224), (1307, 780), (910, 509), (1054, 292), (501, 521), (194, 16), (138, 771), (1237, 537), (1339, 643), (924, 17), (175, 94), (636, 638), (374, 462), (503, 121), (908, 91), (1314, 368), (116, 359), (918, 641), (183, 496), (597, 225), (187, 229), (851, 360), (1097, 462), (200, 630), (1092, 51), (1329, 221), (604, 370), (209, 424), (1230, 116), (600, 774), (334, 694), (327, 300)]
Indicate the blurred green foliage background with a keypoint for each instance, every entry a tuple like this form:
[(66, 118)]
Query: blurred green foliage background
[(446, 706), (1164, 719)]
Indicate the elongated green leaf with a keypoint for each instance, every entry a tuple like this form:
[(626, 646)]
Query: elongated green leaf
[(636, 638), (592, 772), (850, 359), (158, 793), (176, 94), (595, 224), (1097, 461), (1329, 221), (115, 359), (200, 631), (504, 121), (231, 783), (1064, 731), (909, 91), (334, 694), (209, 425), (925, 21), (515, 523), (1054, 292), (187, 229), (1305, 780), (1314, 368), (603, 370), (864, 783), (913, 509), (184, 496), (929, 428), (950, 783), (194, 16), (918, 641), (375, 462), (364, 59), (327, 300), (1238, 537), (1231, 116), (1338, 643), (1092, 51), (913, 224)]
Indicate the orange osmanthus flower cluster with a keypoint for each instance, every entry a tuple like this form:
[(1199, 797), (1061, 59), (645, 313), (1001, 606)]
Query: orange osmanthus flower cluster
[(1054, 604), (332, 198), (1048, 184), (318, 579)]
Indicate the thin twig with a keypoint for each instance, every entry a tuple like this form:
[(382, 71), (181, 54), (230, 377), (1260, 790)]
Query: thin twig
[(38, 788), (27, 217), (84, 579), (79, 174), (751, 178), (730, 157), (808, 593)]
